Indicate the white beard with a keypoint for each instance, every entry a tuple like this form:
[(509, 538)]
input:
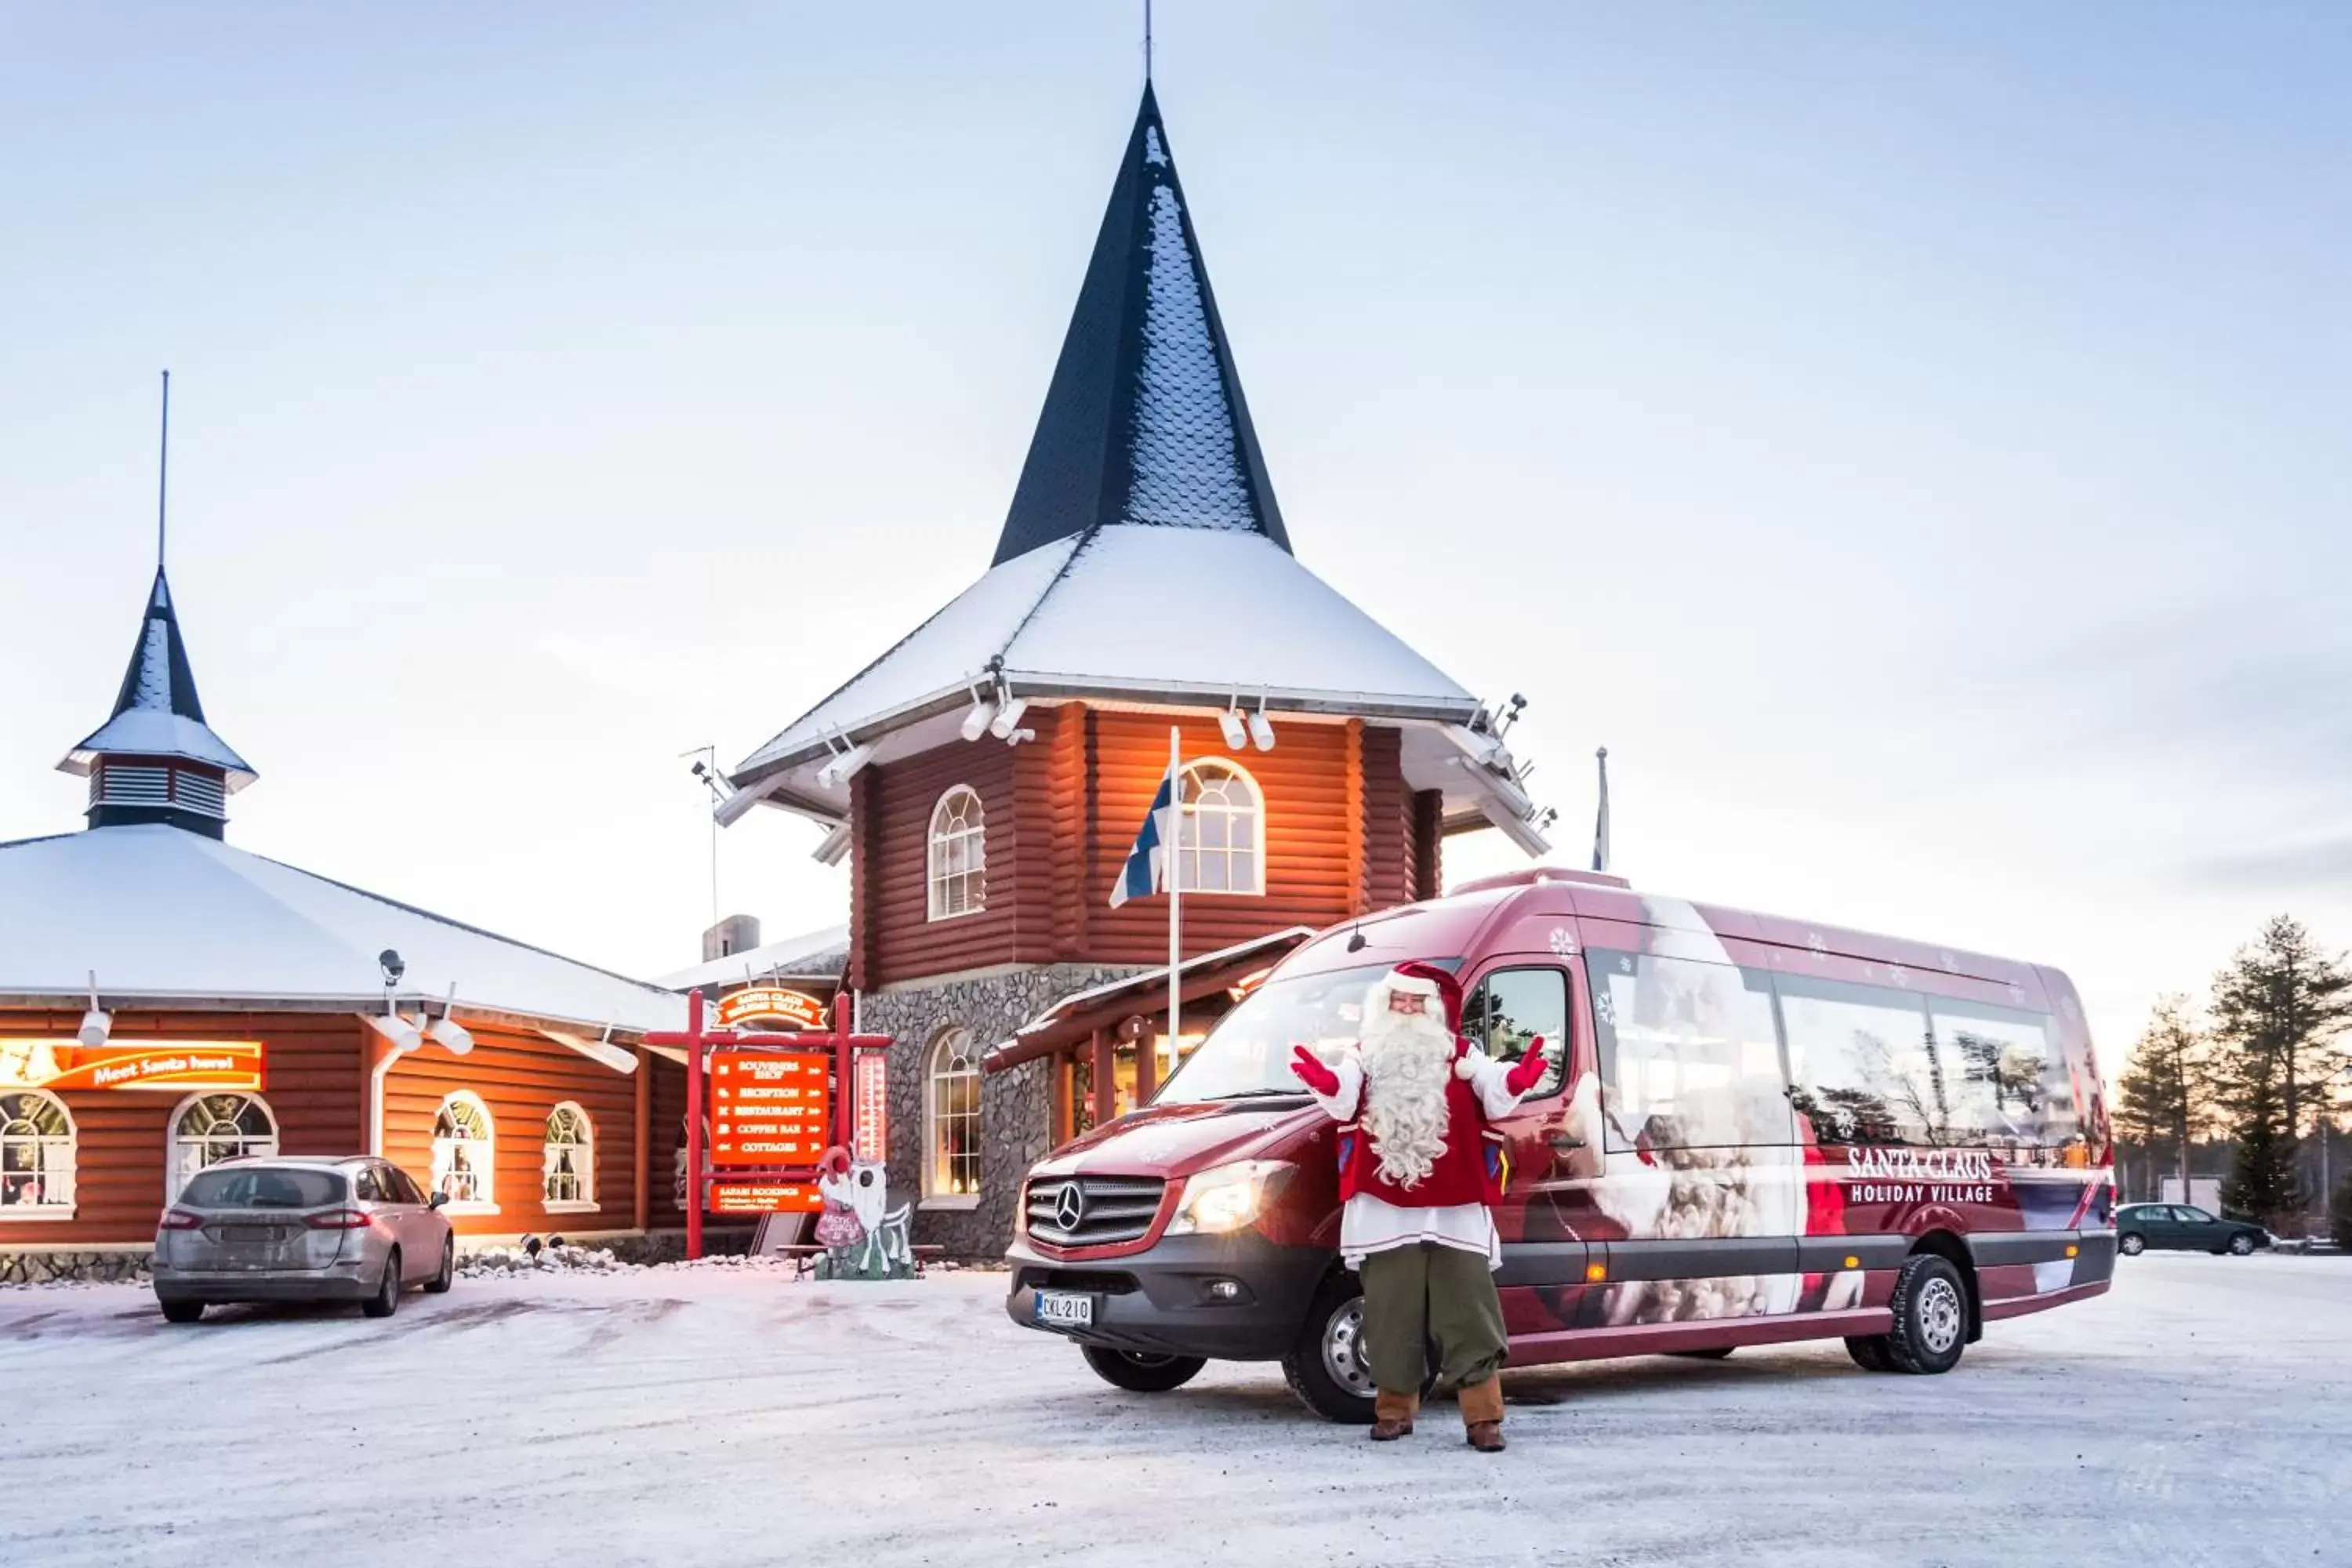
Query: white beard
[(1407, 1058)]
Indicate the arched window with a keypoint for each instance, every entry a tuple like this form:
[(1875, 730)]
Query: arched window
[(951, 1120), (461, 1152), (210, 1128), (1221, 837), (568, 1166), (959, 854), (37, 1156)]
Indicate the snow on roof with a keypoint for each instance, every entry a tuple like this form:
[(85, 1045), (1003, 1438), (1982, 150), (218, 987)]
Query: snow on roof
[(162, 914), (1154, 611), (811, 954), (157, 712)]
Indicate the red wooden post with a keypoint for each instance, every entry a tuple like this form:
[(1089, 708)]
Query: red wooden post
[(694, 1149), (1105, 1079)]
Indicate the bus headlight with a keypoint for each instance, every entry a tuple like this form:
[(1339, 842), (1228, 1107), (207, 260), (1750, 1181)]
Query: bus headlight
[(1224, 1198)]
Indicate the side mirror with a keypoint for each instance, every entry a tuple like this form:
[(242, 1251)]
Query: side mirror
[(438, 1200)]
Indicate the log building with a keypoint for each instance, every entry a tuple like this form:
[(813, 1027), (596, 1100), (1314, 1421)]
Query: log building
[(987, 775)]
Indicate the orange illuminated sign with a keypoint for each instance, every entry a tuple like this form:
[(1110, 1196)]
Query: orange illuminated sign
[(769, 1108), (765, 1197), (770, 1004), (143, 1063)]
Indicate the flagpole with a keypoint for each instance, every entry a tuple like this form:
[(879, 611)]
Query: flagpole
[(1175, 897)]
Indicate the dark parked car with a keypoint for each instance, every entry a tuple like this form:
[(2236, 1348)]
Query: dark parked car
[(284, 1229), (2177, 1227)]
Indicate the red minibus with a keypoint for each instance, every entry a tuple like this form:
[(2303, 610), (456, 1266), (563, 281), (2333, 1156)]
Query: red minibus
[(1754, 1130)]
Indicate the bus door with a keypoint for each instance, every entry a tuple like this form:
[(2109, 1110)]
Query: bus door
[(1510, 1000)]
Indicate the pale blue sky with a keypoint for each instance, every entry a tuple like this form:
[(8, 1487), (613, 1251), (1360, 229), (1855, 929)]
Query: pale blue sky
[(1914, 439)]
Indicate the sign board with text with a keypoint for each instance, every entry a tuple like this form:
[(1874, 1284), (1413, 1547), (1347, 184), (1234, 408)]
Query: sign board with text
[(765, 1197), (770, 1004), (160, 1065), (769, 1108)]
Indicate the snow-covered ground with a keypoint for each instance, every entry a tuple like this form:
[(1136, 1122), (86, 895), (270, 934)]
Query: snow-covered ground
[(2201, 1413)]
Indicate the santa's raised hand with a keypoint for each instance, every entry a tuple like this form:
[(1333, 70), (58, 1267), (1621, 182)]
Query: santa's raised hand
[(1310, 1070), (1529, 1070)]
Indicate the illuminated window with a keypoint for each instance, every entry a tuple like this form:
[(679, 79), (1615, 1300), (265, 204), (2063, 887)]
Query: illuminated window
[(211, 1128), (959, 856), (461, 1152), (1221, 839), (568, 1160), (951, 1120), (37, 1156)]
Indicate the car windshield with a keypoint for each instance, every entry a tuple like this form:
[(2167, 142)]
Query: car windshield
[(1248, 1053), (263, 1189)]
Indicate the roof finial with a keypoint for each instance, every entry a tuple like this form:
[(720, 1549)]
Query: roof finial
[(163, 470), (1147, 43)]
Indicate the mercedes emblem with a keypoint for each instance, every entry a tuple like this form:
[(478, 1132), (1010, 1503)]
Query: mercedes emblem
[(1069, 1209)]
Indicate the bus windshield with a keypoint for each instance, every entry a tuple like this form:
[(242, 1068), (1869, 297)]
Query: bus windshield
[(1247, 1055)]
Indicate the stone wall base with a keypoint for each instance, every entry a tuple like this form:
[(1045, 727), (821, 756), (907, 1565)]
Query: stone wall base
[(89, 1265)]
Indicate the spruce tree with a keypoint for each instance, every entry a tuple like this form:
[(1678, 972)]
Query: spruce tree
[(2279, 1009), (2161, 1100)]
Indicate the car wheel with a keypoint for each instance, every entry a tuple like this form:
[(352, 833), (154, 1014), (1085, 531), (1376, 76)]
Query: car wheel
[(1868, 1350), (2241, 1245), (1931, 1316), (1326, 1368), (1712, 1353), (1139, 1371), (2131, 1243), (386, 1299), (439, 1284), (181, 1311)]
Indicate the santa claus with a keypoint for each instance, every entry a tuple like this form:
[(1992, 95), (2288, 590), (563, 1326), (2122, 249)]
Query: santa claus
[(1420, 1174)]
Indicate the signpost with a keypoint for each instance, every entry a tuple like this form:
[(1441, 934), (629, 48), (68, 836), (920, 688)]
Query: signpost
[(775, 1102)]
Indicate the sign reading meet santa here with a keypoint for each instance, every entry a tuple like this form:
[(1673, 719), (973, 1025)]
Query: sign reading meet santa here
[(143, 1063)]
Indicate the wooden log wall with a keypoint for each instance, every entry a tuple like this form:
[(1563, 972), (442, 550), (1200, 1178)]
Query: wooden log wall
[(312, 1085), (520, 1077)]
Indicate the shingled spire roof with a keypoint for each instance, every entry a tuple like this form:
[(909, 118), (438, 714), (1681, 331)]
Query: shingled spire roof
[(158, 719), (1145, 421)]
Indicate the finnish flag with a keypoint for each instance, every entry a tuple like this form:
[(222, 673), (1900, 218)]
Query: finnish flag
[(1146, 863)]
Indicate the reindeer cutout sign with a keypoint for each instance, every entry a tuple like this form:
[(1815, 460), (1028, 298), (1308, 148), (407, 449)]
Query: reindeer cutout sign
[(862, 1236)]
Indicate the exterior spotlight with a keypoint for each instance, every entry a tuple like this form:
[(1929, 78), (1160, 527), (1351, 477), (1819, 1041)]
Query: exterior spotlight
[(837, 771), (1008, 719), (975, 723), (1261, 732), (401, 1033), (446, 1032), (95, 1024), (1235, 731)]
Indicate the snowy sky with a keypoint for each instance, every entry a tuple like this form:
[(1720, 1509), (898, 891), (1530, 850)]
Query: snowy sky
[(1913, 441)]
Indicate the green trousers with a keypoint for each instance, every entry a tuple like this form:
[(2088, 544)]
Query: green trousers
[(1413, 1294)]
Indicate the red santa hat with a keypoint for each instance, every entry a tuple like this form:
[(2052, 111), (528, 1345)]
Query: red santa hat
[(1448, 989)]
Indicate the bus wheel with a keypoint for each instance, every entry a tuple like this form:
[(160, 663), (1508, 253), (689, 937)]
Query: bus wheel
[(1931, 1316), (1138, 1372), (1869, 1352), (1326, 1368)]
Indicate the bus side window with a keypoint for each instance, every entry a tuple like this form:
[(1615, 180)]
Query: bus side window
[(1511, 1007)]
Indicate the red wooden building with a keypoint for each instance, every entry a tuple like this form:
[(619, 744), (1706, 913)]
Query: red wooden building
[(168, 1000), (986, 776)]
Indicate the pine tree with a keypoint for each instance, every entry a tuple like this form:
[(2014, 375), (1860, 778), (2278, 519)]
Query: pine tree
[(2278, 1010), (2163, 1099)]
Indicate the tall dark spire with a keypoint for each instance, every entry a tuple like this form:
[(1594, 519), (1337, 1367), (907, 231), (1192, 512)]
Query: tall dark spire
[(1145, 421)]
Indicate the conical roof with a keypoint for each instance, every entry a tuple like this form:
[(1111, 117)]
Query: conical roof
[(157, 713), (1145, 421)]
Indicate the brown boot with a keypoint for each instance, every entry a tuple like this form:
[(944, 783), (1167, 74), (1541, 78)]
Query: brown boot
[(1482, 1415), (1393, 1415)]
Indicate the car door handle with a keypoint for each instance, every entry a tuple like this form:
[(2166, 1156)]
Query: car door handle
[(1565, 1142)]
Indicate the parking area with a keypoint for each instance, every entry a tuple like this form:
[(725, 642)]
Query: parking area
[(2201, 1413)]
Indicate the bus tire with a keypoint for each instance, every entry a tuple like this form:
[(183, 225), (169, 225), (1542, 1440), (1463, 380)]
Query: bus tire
[(1326, 1368), (1868, 1350), (1931, 1316), (1138, 1372)]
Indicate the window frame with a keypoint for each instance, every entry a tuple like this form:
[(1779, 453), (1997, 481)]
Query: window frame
[(1619, 1137), (175, 1179), (937, 1189), (936, 837), (485, 1173), (1188, 815), (1555, 1081), (584, 1172), (44, 1144)]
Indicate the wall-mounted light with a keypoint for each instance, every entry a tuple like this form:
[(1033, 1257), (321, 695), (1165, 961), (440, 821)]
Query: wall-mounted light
[(844, 766), (1234, 728), (1261, 732), (96, 1025), (975, 723), (1007, 722), (446, 1032)]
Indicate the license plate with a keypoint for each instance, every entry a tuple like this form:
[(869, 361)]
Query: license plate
[(249, 1235), (1065, 1310)]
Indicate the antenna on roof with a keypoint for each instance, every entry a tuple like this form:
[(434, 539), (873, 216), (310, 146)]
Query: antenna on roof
[(163, 470), (1147, 43)]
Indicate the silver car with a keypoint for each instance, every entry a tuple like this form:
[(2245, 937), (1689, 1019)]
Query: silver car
[(282, 1230)]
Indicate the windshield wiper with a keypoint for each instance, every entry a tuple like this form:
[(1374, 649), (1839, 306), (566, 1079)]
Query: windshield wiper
[(1260, 1094)]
